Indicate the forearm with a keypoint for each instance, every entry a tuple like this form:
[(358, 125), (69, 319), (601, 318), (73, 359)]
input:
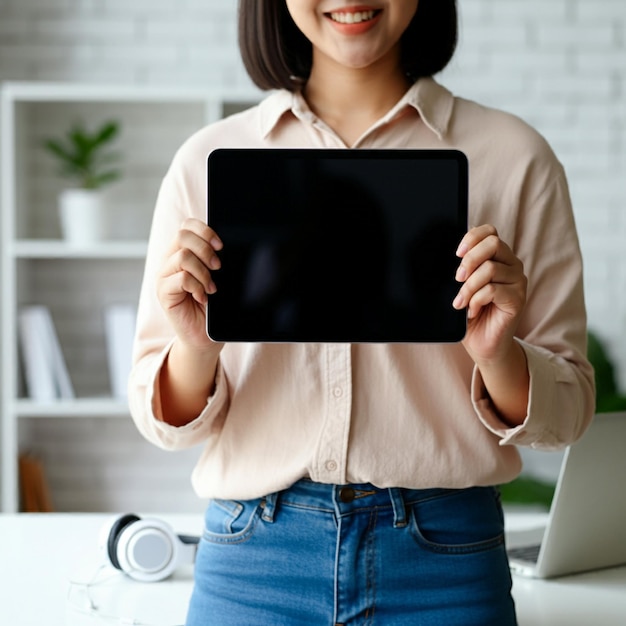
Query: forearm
[(507, 382), (186, 381)]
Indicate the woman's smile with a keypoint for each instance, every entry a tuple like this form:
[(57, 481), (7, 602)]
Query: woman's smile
[(354, 20), (352, 17)]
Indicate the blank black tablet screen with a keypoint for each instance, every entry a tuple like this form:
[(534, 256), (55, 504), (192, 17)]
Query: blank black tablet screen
[(337, 245)]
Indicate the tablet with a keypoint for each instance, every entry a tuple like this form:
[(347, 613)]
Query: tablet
[(337, 245)]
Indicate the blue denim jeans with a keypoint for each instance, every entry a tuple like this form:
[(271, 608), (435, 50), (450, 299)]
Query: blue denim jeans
[(327, 555)]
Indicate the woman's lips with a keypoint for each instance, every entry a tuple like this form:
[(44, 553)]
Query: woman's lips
[(354, 20)]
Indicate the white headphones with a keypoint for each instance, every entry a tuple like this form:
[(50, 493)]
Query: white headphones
[(147, 550)]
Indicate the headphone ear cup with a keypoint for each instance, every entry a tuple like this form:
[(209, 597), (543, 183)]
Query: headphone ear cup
[(111, 534), (148, 550)]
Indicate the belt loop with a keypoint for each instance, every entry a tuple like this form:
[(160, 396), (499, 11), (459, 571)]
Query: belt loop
[(399, 510), (269, 507)]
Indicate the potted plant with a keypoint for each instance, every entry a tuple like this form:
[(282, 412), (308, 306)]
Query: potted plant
[(84, 158)]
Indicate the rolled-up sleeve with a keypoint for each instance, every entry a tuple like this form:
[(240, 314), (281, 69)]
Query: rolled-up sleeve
[(558, 404), (145, 404), (179, 198), (553, 330)]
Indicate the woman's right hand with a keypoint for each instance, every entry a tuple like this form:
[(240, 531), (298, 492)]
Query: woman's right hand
[(184, 283)]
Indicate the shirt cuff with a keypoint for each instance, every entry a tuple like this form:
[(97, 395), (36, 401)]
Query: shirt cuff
[(534, 431), (194, 431)]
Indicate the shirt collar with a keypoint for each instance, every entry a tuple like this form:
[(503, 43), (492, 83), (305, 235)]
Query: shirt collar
[(272, 108), (433, 102)]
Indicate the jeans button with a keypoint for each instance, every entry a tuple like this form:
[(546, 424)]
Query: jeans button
[(346, 494)]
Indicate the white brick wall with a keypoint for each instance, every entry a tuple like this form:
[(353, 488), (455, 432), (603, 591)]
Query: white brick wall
[(120, 41), (560, 64)]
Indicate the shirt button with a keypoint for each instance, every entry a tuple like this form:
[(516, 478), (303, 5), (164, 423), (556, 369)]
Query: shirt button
[(337, 392), (331, 466)]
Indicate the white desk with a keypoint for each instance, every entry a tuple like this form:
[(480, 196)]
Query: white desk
[(40, 554)]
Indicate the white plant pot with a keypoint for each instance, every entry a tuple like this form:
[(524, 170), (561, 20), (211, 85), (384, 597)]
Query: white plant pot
[(82, 214)]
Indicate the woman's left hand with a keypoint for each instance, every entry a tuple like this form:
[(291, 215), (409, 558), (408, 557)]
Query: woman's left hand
[(493, 291)]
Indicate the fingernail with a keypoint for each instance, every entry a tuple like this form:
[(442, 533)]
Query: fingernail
[(214, 263), (216, 244), (458, 302), (461, 250), (461, 274)]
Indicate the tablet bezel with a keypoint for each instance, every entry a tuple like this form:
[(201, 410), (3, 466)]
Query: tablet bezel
[(263, 155)]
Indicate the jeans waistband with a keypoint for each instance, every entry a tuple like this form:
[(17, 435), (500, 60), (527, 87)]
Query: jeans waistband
[(348, 499)]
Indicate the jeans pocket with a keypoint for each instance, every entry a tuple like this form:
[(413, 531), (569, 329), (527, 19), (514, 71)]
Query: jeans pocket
[(231, 521), (462, 521)]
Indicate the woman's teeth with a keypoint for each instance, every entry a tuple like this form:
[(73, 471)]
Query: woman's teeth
[(353, 18)]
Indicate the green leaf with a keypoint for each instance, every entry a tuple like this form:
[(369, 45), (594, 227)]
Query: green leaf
[(58, 150), (526, 490), (609, 403), (80, 140), (106, 178), (604, 369), (81, 154), (106, 133)]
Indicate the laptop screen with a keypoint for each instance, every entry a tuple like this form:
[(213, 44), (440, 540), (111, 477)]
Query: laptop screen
[(332, 245)]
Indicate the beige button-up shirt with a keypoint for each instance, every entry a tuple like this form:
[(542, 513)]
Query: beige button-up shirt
[(407, 415)]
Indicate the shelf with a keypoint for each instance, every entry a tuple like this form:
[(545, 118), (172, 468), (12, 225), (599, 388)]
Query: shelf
[(77, 283), (63, 92), (58, 249), (78, 408)]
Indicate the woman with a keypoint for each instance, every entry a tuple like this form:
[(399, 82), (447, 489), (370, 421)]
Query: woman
[(354, 484)]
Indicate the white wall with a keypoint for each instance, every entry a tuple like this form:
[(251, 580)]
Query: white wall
[(560, 64)]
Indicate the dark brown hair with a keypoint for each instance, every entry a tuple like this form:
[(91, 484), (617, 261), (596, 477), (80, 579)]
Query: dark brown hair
[(277, 55)]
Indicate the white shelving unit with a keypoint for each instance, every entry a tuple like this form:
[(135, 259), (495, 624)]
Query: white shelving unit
[(76, 284)]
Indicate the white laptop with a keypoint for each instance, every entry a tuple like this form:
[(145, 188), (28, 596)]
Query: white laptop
[(586, 527)]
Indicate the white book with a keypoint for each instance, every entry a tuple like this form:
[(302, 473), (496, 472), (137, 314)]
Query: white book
[(63, 383), (46, 374), (37, 363), (120, 320)]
